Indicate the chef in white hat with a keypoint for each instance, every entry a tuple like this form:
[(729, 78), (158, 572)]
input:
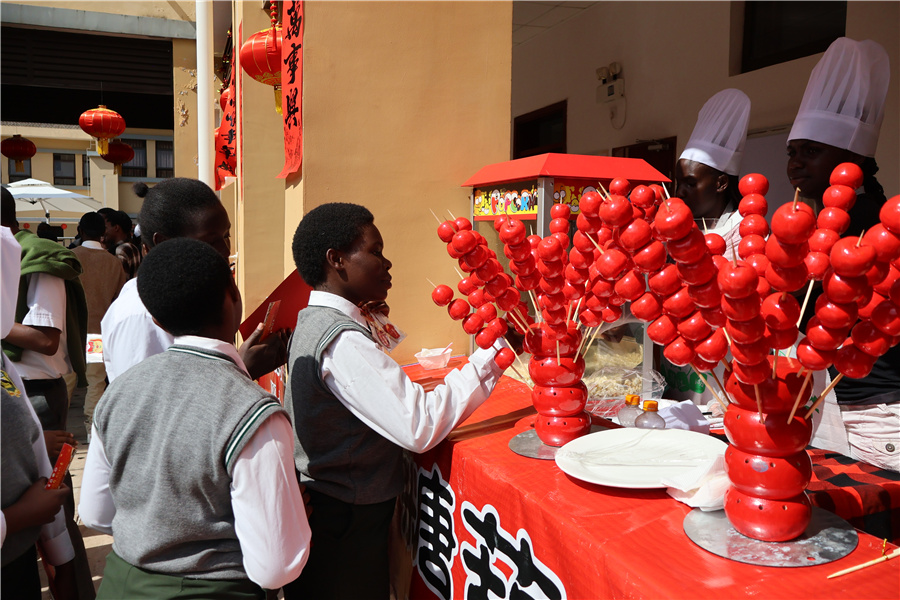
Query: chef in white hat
[(839, 121), (706, 175), (706, 178)]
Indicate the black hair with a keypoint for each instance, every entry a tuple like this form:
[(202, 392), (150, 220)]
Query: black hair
[(183, 283), (336, 225), (121, 218), (870, 184), (172, 206), (106, 211), (92, 225), (7, 208)]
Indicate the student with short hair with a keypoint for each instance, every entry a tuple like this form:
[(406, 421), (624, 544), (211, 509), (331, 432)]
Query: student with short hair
[(190, 465), (175, 208), (354, 410)]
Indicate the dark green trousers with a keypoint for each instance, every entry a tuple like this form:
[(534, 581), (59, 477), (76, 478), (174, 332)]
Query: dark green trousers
[(122, 580)]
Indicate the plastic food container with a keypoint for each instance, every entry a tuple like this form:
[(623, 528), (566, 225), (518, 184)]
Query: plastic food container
[(433, 358)]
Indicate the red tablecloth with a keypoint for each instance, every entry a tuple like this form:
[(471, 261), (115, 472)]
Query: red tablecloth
[(501, 524)]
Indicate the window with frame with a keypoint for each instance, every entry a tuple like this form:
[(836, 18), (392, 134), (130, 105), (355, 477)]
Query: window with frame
[(85, 170), (137, 166), (776, 32), (540, 131), (165, 159), (63, 169), (19, 174)]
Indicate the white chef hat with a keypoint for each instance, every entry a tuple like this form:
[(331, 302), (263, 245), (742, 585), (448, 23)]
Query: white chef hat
[(721, 130), (11, 257), (843, 105)]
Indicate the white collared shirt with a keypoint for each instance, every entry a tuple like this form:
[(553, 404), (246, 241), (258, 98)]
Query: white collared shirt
[(93, 245), (129, 333), (376, 389), (46, 298), (269, 513)]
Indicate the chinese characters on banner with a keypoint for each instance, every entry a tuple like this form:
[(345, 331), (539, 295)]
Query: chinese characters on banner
[(226, 134), (292, 84), (462, 551)]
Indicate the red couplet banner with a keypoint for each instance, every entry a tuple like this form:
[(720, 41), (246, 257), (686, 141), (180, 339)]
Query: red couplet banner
[(292, 84)]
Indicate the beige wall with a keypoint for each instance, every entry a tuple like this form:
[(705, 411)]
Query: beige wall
[(403, 101), (675, 55), (171, 9)]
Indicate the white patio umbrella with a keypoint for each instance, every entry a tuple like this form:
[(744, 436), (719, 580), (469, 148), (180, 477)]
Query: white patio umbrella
[(30, 192)]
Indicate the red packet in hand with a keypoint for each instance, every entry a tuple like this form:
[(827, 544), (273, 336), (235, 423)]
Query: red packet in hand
[(62, 465), (269, 321)]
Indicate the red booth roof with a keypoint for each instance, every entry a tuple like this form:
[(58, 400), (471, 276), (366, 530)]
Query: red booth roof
[(575, 166)]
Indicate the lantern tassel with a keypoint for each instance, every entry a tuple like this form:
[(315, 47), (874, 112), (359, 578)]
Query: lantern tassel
[(20, 166), (278, 99), (102, 146)]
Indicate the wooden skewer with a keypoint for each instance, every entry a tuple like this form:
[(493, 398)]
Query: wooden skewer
[(705, 230), (710, 388), (459, 273), (665, 191), (522, 377), (435, 217), (819, 400), (721, 387), (593, 337), (805, 301), (727, 339), (584, 338), (431, 282), (517, 318), (758, 404), (800, 372), (775, 364), (451, 214), (796, 197), (875, 561), (797, 401), (603, 189), (534, 303)]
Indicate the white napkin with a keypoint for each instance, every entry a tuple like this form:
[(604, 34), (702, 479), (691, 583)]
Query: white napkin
[(685, 415), (702, 487)]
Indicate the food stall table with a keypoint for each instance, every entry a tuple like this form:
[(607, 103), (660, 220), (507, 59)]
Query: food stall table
[(477, 519)]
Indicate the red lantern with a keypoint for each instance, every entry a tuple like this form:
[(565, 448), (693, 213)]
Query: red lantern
[(224, 97), (261, 57), (118, 153), (103, 124), (18, 149)]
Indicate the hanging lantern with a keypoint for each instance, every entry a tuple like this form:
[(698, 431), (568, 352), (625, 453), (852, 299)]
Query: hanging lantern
[(261, 56), (103, 124), (225, 96), (118, 153), (18, 149)]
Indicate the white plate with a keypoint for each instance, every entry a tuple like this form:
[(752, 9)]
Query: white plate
[(636, 458)]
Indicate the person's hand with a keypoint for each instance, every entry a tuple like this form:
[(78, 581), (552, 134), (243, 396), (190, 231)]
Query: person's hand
[(54, 441), (35, 507), (261, 357)]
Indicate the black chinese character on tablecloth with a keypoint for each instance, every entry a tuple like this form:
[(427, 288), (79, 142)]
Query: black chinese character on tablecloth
[(530, 578), (437, 540)]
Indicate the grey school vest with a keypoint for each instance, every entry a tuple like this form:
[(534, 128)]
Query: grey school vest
[(18, 465), (334, 452), (172, 427)]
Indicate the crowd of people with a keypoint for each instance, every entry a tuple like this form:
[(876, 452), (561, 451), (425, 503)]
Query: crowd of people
[(209, 486)]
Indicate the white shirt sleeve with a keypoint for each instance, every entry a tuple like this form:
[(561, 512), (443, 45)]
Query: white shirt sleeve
[(46, 299), (129, 340), (377, 390), (269, 513), (96, 506)]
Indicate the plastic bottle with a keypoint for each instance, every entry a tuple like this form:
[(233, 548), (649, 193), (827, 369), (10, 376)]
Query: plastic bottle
[(628, 413), (650, 418)]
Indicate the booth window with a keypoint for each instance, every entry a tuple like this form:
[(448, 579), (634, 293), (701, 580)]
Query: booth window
[(165, 159), (776, 32), (64, 169), (24, 173), (137, 166), (540, 131), (85, 170)]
